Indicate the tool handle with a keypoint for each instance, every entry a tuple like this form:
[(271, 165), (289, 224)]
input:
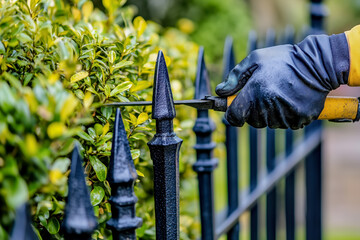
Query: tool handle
[(335, 108)]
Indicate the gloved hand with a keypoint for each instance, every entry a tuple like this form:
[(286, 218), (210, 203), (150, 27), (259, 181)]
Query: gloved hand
[(286, 86)]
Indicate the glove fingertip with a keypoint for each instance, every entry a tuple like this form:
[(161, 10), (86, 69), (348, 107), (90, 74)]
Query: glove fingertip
[(229, 87), (233, 120)]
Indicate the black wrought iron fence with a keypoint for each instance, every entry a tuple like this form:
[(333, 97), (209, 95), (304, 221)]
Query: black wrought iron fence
[(79, 221)]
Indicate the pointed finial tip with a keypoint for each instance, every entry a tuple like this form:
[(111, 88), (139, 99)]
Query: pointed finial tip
[(202, 84), (22, 226), (229, 40), (229, 57), (163, 103), (253, 41), (79, 214), (121, 168), (270, 37)]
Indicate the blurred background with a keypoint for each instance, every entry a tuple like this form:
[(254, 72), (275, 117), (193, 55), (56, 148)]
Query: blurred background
[(208, 22)]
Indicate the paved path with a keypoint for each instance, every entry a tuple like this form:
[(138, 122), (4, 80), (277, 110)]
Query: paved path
[(342, 177)]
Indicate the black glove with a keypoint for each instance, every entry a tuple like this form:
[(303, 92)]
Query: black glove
[(286, 86)]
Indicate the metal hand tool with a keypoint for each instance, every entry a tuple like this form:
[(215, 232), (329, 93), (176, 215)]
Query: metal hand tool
[(335, 108)]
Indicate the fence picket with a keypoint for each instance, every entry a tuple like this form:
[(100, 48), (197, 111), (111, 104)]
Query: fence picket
[(271, 197), (313, 162), (205, 163), (164, 151), (22, 229), (254, 153), (231, 147), (290, 178), (79, 219), (121, 176)]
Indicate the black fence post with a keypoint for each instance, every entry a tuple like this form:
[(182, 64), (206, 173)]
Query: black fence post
[(164, 150), (289, 191), (313, 162), (205, 163), (79, 219), (313, 182), (318, 12), (271, 197), (254, 151), (22, 229), (231, 147), (290, 178), (121, 176)]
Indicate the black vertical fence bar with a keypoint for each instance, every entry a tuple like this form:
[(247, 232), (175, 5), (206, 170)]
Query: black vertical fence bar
[(313, 162), (205, 163), (271, 208), (289, 191), (22, 229), (79, 219), (253, 135), (164, 151), (121, 176), (290, 178), (231, 148), (313, 182), (318, 12)]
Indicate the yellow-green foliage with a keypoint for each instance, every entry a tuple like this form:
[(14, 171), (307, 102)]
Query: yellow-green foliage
[(60, 62)]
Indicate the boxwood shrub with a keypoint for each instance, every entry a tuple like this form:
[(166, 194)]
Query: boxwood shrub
[(60, 62)]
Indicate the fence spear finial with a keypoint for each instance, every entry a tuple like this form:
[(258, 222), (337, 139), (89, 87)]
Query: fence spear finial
[(163, 104), (79, 220), (202, 84), (229, 57), (164, 150), (22, 229), (121, 176), (205, 163)]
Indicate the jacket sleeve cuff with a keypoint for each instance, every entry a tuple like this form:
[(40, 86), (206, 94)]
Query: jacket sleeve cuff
[(341, 58), (353, 40)]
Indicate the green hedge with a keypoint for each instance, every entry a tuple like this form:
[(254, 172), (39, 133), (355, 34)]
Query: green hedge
[(60, 62)]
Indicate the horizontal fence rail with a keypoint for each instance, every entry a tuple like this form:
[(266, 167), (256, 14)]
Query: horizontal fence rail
[(285, 166)]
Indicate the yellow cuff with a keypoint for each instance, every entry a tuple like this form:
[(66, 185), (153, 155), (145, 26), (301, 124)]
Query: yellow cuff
[(353, 38)]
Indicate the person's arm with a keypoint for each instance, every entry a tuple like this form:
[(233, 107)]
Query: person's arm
[(286, 86), (353, 40)]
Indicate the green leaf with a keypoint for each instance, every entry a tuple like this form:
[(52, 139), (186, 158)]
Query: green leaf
[(98, 129), (112, 57), (106, 112), (123, 63), (142, 118), (53, 225), (16, 191), (92, 133), (24, 38), (79, 94), (97, 195), (140, 25), (140, 174), (2, 48), (85, 136), (133, 119), (99, 167), (121, 88), (135, 153), (79, 76), (62, 164), (141, 85), (138, 136), (107, 90)]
